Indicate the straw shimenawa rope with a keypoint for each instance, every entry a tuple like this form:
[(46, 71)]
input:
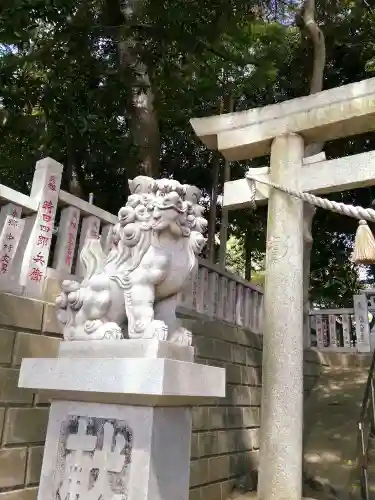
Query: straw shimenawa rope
[(357, 212), (364, 247)]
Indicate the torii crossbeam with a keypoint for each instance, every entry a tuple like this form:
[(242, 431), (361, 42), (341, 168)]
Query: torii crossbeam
[(283, 130)]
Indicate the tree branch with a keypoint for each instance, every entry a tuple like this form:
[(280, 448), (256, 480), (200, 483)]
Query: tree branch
[(222, 53), (366, 4), (305, 19), (317, 37)]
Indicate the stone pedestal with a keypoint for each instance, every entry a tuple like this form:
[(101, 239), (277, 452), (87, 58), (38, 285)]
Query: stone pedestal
[(120, 420)]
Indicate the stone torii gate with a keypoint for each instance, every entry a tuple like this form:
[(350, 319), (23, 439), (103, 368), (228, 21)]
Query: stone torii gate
[(283, 130)]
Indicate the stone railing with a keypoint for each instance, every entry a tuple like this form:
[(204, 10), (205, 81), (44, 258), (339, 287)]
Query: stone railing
[(222, 295), (41, 236), (351, 329), (45, 230), (333, 329)]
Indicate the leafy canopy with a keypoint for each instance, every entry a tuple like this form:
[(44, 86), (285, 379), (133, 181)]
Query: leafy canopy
[(65, 93)]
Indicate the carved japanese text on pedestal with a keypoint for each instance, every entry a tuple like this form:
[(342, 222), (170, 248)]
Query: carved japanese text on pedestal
[(153, 251), (93, 459)]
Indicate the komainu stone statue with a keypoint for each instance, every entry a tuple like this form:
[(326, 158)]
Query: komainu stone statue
[(153, 250)]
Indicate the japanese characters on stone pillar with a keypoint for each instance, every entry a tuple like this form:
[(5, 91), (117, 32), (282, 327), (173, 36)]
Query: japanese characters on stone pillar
[(9, 239), (32, 257), (122, 395), (362, 323), (108, 450), (283, 130), (66, 240), (325, 327), (332, 330), (9, 209), (346, 330)]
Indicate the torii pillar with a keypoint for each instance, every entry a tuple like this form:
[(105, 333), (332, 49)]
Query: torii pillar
[(283, 130)]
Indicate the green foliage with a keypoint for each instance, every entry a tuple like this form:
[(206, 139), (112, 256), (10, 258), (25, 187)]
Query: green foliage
[(236, 260), (64, 94), (334, 279), (235, 256)]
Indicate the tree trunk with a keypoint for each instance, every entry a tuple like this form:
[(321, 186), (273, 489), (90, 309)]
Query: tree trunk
[(248, 248), (143, 118), (73, 173), (213, 209), (306, 20), (225, 211), (317, 37), (145, 124), (140, 107), (224, 222), (213, 202), (308, 216)]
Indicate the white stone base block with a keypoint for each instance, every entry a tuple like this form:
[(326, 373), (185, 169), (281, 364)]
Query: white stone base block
[(147, 373), (111, 452), (120, 421)]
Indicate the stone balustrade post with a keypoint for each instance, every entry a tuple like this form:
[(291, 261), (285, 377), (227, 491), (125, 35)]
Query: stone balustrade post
[(31, 260)]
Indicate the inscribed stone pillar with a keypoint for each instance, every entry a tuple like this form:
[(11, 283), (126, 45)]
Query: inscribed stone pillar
[(280, 471)]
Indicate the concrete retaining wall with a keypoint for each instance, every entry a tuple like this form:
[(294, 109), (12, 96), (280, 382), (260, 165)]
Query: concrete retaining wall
[(225, 440)]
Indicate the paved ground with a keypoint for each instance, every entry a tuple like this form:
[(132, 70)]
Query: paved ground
[(330, 423), (331, 416), (330, 428)]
